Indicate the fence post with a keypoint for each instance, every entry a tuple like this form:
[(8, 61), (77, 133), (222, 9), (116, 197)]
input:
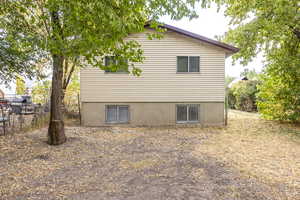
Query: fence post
[(79, 111), (226, 106)]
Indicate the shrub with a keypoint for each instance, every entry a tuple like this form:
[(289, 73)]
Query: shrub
[(279, 97), (242, 95)]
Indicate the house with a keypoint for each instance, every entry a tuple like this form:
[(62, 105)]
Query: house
[(182, 82)]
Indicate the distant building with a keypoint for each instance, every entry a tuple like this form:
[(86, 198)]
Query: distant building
[(245, 78)]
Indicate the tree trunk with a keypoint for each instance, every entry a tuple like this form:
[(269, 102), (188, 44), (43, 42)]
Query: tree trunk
[(63, 106), (68, 69), (56, 131)]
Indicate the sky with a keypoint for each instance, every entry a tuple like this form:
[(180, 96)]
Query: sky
[(210, 23)]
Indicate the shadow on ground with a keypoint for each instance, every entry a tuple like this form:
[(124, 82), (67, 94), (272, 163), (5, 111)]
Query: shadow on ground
[(120, 163)]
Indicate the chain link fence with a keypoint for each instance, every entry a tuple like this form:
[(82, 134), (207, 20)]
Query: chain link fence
[(12, 121), (20, 114)]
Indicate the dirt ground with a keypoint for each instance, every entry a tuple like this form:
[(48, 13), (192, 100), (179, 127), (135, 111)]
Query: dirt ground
[(249, 159)]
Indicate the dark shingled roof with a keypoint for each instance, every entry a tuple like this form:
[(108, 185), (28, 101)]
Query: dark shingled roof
[(199, 37)]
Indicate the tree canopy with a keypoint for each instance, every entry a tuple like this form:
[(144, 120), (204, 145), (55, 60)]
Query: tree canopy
[(88, 29), (40, 92), (20, 86), (250, 74), (273, 28), (16, 59)]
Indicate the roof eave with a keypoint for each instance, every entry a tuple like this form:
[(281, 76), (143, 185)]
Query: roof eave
[(227, 47)]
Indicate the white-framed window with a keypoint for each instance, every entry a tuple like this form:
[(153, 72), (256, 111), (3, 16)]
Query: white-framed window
[(112, 63), (188, 63), (187, 113), (117, 113)]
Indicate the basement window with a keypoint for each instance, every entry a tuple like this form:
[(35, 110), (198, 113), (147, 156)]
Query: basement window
[(117, 113), (188, 63), (187, 113)]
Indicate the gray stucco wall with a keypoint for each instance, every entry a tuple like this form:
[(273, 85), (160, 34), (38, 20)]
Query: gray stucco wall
[(152, 114)]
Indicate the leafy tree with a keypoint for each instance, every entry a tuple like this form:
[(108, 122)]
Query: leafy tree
[(228, 96), (231, 100), (69, 67), (72, 92), (271, 27), (41, 92), (88, 29), (250, 74), (242, 95), (16, 59), (228, 80), (20, 86), (280, 88)]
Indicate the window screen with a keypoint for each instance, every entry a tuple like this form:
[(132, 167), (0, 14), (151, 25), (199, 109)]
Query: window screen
[(123, 114), (187, 113), (182, 63), (111, 113), (194, 63), (193, 112), (117, 114), (181, 113)]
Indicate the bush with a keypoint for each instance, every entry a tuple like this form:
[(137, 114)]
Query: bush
[(242, 95), (279, 98), (279, 93)]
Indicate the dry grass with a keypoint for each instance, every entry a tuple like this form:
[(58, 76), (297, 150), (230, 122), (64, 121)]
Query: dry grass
[(264, 150), (250, 159)]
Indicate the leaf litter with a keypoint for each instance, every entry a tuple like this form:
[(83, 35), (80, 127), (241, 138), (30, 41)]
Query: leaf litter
[(249, 159)]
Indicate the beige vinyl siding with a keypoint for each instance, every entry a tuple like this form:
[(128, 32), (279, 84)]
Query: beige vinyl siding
[(159, 81)]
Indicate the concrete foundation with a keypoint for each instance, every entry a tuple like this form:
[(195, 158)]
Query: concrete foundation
[(152, 114)]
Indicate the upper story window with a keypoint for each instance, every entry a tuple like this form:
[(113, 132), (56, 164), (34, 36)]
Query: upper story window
[(188, 63), (113, 63)]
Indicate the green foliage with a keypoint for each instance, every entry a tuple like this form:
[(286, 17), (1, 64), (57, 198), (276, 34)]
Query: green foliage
[(16, 59), (231, 100), (84, 29), (280, 91), (271, 27), (260, 25), (250, 74), (88, 28), (20, 86), (72, 92), (228, 80), (41, 92), (242, 95)]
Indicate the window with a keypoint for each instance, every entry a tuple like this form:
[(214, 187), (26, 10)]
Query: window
[(188, 63), (110, 60), (187, 113), (117, 114), (113, 65)]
